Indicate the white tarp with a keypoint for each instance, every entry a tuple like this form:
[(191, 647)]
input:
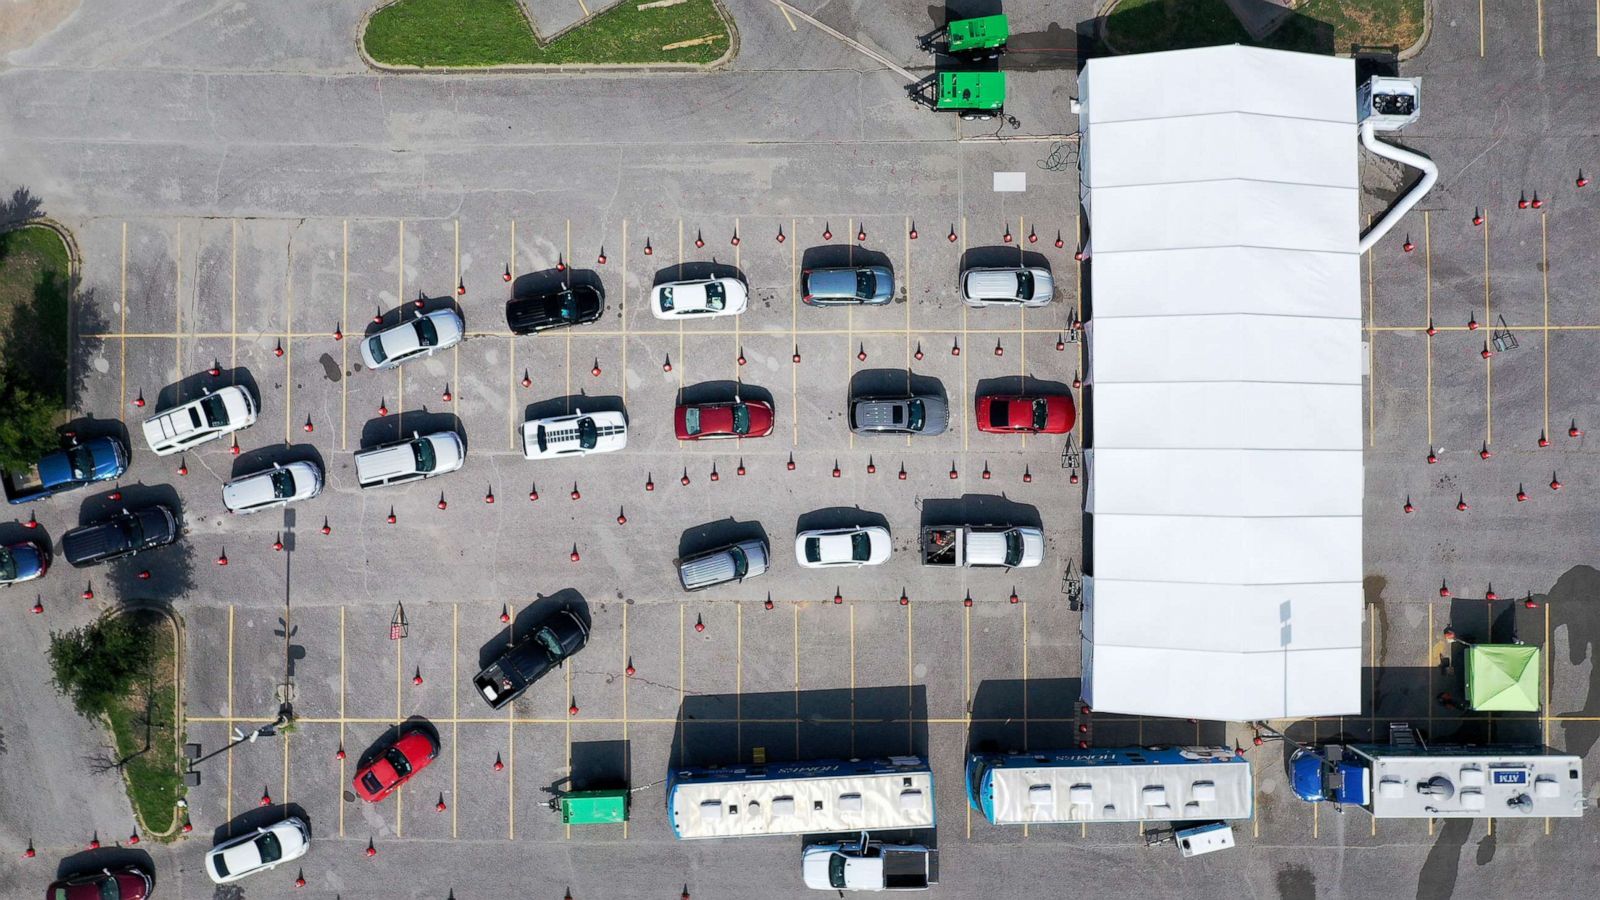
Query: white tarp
[(747, 808), (1122, 793), (1225, 402)]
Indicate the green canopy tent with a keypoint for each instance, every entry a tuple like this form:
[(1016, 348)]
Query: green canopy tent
[(1503, 677)]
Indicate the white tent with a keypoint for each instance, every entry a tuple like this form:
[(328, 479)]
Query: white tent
[(1224, 410)]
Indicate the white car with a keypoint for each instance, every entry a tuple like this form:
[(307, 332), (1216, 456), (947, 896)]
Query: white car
[(708, 297), (865, 545), (219, 412), (422, 336), (257, 851), (576, 435), (277, 486)]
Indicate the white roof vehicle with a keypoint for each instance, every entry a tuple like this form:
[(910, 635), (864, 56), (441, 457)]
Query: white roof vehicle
[(578, 434), (219, 412), (707, 297), (257, 851), (422, 336), (865, 545), (277, 486)]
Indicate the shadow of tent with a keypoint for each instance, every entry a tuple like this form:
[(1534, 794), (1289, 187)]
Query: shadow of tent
[(785, 726)]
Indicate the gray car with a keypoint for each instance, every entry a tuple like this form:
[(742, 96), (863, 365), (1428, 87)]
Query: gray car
[(919, 414), (852, 286)]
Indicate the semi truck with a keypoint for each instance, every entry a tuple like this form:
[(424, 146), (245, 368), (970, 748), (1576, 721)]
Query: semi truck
[(982, 546), (73, 466), (869, 865)]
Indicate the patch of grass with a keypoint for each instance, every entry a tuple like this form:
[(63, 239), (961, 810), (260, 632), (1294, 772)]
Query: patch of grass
[(496, 32), (35, 369), (1317, 26), (145, 727)]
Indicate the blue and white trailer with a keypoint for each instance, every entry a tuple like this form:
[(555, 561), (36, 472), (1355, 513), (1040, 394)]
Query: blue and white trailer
[(1412, 780), (1112, 784), (825, 795)]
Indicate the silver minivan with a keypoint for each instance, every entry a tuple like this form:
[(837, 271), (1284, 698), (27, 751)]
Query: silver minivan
[(858, 285), (419, 456), (735, 562), (1026, 286)]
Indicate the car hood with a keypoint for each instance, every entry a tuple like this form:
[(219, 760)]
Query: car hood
[(110, 458), (157, 522), (814, 867), (1032, 547), (936, 415), (1062, 416), (29, 560), (238, 405)]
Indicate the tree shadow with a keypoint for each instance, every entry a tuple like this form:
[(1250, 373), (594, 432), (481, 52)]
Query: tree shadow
[(22, 206)]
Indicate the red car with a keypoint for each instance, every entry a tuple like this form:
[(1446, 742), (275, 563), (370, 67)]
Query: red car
[(395, 764), (705, 421), (127, 883), (1013, 414)]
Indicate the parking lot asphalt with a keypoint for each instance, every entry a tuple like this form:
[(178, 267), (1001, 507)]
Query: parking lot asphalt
[(229, 200)]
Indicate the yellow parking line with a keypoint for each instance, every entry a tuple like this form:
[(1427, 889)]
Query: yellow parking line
[(1539, 5), (344, 350), (627, 660), (793, 27), (177, 328), (340, 785), (229, 804), (288, 349), (123, 303), (233, 295), (1544, 278), (906, 277), (455, 713), (511, 397), (585, 9), (1488, 368), (1480, 28), (794, 341), (511, 774)]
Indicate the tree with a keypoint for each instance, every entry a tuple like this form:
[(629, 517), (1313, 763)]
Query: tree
[(99, 664), (27, 425)]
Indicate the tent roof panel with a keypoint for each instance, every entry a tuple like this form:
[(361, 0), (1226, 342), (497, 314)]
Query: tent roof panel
[(1222, 79), (1262, 280), (1218, 550), (1194, 348), (1224, 482), (1227, 415), (1224, 617), (1224, 213), (1207, 148)]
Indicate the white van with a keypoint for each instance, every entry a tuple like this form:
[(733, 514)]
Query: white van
[(1024, 286), (578, 434), (419, 456)]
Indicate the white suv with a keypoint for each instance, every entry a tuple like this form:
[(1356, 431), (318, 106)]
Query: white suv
[(219, 412), (422, 336), (277, 486)]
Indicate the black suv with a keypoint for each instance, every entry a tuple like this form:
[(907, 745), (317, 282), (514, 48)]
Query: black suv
[(579, 304), (548, 645), (124, 534)]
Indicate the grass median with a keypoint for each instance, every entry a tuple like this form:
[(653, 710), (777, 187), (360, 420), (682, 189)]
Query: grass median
[(1315, 26), (478, 33), (35, 369)]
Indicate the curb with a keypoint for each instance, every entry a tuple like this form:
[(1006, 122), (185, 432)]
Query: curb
[(74, 267), (179, 719), (550, 68), (1109, 6)]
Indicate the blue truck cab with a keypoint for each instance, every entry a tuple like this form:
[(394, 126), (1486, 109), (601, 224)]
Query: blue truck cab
[(1316, 778), (78, 464)]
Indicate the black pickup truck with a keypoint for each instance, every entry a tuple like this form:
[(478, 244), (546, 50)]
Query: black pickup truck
[(547, 646)]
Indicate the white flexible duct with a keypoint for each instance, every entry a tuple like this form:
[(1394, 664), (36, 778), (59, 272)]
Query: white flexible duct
[(1430, 174)]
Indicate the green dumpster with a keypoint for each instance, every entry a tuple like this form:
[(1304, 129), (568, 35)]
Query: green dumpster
[(976, 91), (602, 807), (983, 33)]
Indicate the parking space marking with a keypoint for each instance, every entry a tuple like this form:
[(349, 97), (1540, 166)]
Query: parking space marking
[(585, 9), (1544, 286), (231, 713), (794, 339), (966, 344), (233, 294), (1488, 367), (177, 306), (344, 359), (339, 788), (123, 329), (288, 349), (966, 662), (511, 771), (793, 27), (627, 660), (622, 308), (455, 713), (1480, 30), (1538, 5)]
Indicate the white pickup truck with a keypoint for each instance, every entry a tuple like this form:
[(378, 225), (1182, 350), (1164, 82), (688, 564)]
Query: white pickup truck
[(994, 546), (869, 865)]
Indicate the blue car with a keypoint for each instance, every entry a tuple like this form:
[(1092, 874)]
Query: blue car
[(23, 561), (97, 459)]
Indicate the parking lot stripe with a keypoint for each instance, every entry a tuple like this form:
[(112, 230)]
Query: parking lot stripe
[(1538, 5), (794, 370), (177, 307), (623, 310), (339, 787), (852, 679), (288, 348), (1488, 367), (511, 771), (231, 711), (123, 328), (967, 345), (511, 397), (585, 9), (233, 295), (794, 27), (966, 660), (1480, 29), (627, 660), (455, 713), (1427, 293), (1544, 285), (344, 356)]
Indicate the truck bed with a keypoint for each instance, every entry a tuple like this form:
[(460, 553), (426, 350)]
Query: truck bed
[(909, 869), (940, 546), (20, 486)]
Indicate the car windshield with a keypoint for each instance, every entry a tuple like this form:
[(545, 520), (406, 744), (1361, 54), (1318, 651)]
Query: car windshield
[(836, 870), (716, 296), (666, 299), (371, 783), (109, 889), (423, 451), (216, 411), (569, 306), (82, 463), (133, 529), (741, 418), (8, 565), (860, 546), (918, 415), (588, 434), (219, 861), (282, 484), (741, 563), (547, 639), (269, 847), (427, 335), (402, 766), (1041, 413), (866, 284), (1013, 547), (375, 347), (691, 420), (813, 550), (1024, 284)]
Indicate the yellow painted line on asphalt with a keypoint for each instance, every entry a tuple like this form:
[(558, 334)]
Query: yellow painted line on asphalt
[(1539, 5), (123, 304), (794, 27), (794, 340), (177, 304), (233, 295), (344, 353), (966, 354), (627, 660), (585, 9), (1544, 284), (623, 314), (966, 662), (511, 396), (1480, 28), (229, 805), (511, 773), (339, 787), (455, 713), (288, 349), (1488, 364)]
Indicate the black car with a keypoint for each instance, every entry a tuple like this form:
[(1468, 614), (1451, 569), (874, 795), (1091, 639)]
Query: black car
[(548, 645), (578, 304), (124, 534)]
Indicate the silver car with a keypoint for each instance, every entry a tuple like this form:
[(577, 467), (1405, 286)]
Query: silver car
[(1026, 286), (923, 414), (277, 486), (258, 850), (422, 336), (861, 285)]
